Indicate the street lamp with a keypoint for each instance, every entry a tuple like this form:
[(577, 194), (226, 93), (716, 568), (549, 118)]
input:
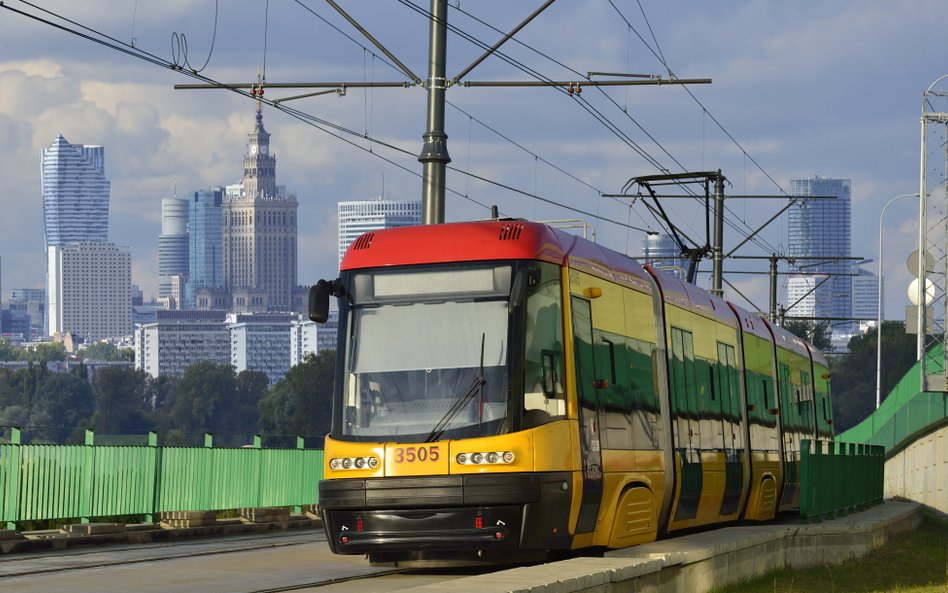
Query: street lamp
[(879, 309)]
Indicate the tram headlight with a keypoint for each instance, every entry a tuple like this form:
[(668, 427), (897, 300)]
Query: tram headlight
[(356, 463), (485, 458)]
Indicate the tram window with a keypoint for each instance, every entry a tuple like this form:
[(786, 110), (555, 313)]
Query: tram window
[(543, 349), (711, 381)]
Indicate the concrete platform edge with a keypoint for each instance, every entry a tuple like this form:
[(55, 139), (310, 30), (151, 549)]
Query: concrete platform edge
[(700, 561)]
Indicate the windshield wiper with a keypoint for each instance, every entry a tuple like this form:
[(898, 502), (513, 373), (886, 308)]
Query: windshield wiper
[(476, 387)]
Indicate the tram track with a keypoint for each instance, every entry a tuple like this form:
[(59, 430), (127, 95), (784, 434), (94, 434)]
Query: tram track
[(329, 582), (30, 561)]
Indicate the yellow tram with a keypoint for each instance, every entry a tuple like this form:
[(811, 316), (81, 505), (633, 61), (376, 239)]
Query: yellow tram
[(505, 390)]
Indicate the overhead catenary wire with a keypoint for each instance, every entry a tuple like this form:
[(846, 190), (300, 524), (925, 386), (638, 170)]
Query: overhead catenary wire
[(322, 124), (612, 127)]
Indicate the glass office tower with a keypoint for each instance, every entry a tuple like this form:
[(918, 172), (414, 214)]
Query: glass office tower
[(823, 228), (205, 242)]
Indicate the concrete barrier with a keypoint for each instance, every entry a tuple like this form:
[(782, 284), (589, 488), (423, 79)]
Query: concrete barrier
[(920, 471), (700, 561)]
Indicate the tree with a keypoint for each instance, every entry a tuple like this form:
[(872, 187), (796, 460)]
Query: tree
[(65, 403), (251, 387), (817, 334), (119, 396), (18, 388), (205, 399), (107, 351), (301, 404), (18, 416), (854, 374), (43, 353), (7, 350), (160, 392)]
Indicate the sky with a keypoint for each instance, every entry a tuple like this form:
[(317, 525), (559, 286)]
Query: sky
[(798, 89)]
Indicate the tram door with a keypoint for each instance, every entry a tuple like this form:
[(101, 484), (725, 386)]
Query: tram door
[(589, 425)]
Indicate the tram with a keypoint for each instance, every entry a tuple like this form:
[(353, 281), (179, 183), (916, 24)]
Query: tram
[(505, 391)]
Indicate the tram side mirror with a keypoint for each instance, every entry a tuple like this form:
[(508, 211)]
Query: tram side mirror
[(526, 277), (319, 299)]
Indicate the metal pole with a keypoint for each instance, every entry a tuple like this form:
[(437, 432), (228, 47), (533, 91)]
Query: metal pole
[(773, 288), (718, 249), (922, 252), (879, 314), (434, 152)]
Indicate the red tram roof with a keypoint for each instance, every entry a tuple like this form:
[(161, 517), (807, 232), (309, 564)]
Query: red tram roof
[(460, 241), (492, 240)]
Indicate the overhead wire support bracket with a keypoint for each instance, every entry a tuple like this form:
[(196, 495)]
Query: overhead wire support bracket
[(681, 180), (497, 45), (411, 75)]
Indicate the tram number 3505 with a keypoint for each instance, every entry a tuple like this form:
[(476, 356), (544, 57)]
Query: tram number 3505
[(416, 454)]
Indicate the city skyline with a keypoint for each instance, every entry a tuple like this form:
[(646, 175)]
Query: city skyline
[(763, 60)]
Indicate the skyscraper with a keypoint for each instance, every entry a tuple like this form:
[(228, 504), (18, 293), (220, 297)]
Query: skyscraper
[(75, 193), (866, 295), (662, 252), (259, 233), (205, 242), (75, 209), (822, 228), (172, 244), (90, 290), (361, 216)]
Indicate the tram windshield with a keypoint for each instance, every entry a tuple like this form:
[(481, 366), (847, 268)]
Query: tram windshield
[(427, 354)]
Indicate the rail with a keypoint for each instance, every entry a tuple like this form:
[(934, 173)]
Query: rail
[(838, 478), (51, 482)]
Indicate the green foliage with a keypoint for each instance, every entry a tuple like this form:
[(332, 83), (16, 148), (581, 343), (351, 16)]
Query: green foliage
[(251, 387), (18, 387), (854, 373), (107, 351), (160, 392), (120, 396), (205, 400), (43, 353), (816, 334), (64, 403), (56, 407), (7, 350), (300, 404)]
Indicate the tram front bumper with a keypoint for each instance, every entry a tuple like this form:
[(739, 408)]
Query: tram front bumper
[(442, 529), (444, 513)]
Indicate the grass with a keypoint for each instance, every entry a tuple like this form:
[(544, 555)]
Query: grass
[(911, 562)]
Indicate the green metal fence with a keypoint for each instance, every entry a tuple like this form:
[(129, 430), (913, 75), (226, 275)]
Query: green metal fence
[(40, 482), (838, 478), (904, 414)]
